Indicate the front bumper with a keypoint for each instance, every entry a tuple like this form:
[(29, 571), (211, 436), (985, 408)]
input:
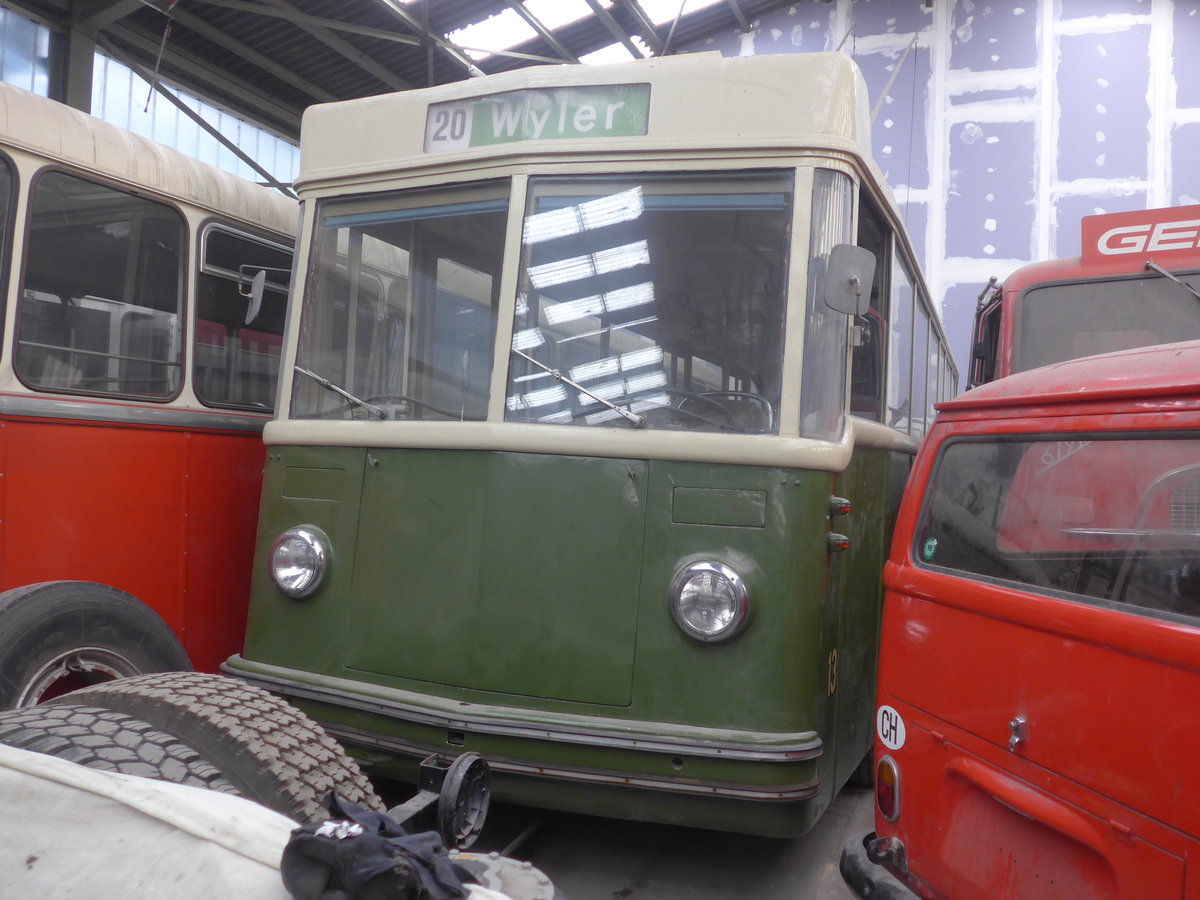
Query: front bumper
[(865, 875), (727, 780)]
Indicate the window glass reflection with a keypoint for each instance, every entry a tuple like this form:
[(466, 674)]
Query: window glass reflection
[(400, 308), (656, 302)]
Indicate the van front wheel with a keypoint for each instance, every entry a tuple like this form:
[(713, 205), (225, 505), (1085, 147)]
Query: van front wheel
[(59, 636)]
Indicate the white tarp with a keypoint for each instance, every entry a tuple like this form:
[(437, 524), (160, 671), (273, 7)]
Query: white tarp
[(67, 831)]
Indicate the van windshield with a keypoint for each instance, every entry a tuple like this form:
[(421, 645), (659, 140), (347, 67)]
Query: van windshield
[(662, 295), (1114, 520), (1060, 321)]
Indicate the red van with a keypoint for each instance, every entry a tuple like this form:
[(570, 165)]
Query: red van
[(1041, 643)]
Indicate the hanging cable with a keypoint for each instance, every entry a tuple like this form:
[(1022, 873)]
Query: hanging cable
[(162, 46)]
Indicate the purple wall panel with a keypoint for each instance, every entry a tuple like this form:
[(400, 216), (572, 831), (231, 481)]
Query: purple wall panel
[(1186, 37), (990, 202), (899, 134), (1080, 9), (889, 17), (997, 35), (1102, 83), (915, 217), (801, 28), (1027, 94), (1185, 173), (1070, 210), (958, 312)]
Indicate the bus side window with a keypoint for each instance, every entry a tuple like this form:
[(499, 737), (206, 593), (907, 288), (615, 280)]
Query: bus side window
[(103, 291), (900, 348), (868, 359), (236, 360)]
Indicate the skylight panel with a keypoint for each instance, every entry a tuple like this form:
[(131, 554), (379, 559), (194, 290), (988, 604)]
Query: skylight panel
[(663, 11)]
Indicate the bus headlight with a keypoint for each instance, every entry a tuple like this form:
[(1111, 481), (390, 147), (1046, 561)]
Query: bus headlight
[(709, 601), (298, 560)]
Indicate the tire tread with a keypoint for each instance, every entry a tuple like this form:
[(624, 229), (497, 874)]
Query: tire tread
[(272, 751)]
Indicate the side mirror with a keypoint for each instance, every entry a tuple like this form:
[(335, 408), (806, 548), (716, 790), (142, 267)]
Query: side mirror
[(848, 280), (257, 286)]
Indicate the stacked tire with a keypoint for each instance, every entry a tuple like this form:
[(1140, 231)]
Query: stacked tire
[(206, 730)]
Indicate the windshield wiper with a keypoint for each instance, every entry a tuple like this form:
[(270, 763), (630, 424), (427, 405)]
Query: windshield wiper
[(633, 417), (370, 408), (1155, 267)]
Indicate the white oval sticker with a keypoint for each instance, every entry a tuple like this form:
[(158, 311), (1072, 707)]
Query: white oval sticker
[(890, 728)]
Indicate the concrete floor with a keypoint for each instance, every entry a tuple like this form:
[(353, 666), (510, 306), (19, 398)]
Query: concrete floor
[(596, 859)]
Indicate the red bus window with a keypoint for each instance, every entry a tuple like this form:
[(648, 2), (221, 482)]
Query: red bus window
[(102, 296), (237, 343)]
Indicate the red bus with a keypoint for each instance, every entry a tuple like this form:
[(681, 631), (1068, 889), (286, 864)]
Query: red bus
[(1041, 642), (1135, 284), (136, 374)]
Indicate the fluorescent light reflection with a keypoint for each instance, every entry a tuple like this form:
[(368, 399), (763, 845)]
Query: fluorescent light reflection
[(578, 267), (534, 399), (657, 401), (611, 210), (614, 365), (599, 304), (527, 339), (624, 387), (632, 323)]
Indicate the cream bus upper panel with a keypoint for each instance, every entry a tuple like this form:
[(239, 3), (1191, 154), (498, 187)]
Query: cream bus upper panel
[(784, 100), (59, 133)]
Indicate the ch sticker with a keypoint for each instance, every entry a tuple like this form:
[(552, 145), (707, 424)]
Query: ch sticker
[(890, 728)]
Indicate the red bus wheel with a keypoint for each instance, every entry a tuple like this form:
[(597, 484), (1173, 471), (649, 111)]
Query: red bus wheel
[(59, 636)]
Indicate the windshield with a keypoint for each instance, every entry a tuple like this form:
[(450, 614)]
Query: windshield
[(1107, 519), (400, 305), (660, 295), (1056, 322)]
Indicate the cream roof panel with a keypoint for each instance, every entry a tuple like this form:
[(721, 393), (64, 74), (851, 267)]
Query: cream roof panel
[(57, 132), (699, 100)]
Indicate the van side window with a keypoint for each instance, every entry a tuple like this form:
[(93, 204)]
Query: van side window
[(1115, 521), (102, 292)]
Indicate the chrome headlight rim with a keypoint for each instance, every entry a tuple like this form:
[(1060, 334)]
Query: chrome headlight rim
[(316, 542), (741, 600)]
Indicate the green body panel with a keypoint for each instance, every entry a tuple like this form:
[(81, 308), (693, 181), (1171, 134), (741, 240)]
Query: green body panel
[(500, 572), (507, 603), (874, 482)]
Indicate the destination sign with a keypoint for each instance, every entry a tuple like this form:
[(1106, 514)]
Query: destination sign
[(551, 114)]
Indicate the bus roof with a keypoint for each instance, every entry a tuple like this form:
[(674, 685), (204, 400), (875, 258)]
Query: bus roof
[(1165, 370), (58, 132), (785, 101)]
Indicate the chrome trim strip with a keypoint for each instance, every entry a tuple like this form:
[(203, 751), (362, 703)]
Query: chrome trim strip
[(804, 748), (804, 790), (88, 410)]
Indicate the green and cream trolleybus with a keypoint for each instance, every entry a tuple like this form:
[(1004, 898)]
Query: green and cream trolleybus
[(598, 402)]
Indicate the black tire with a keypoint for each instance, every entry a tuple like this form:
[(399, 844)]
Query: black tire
[(269, 750), (112, 741), (58, 636)]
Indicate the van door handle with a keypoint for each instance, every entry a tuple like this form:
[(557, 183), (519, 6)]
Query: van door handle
[(1018, 732)]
